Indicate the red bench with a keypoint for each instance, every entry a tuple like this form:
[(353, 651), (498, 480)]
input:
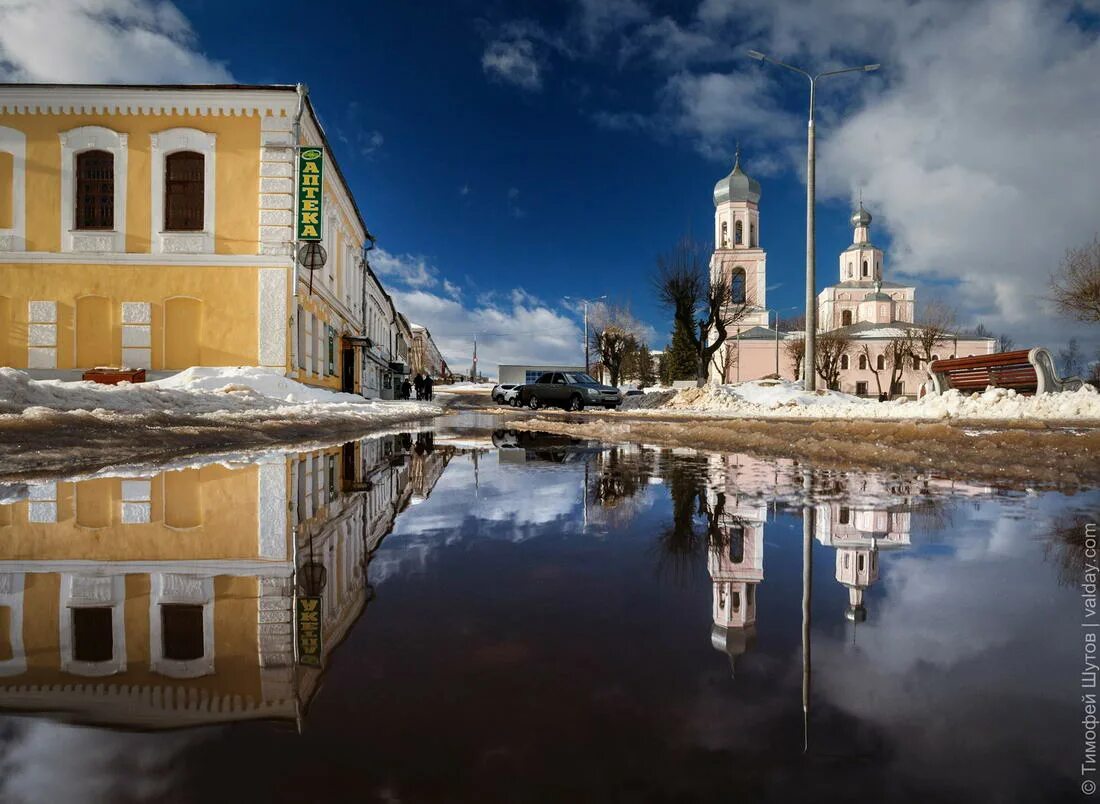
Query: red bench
[(113, 376), (1026, 371)]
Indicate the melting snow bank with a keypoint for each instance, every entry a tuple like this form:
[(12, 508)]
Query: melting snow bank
[(45, 424), (788, 400)]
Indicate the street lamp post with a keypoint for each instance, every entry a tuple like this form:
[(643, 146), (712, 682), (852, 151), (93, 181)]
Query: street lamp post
[(586, 302), (811, 279)]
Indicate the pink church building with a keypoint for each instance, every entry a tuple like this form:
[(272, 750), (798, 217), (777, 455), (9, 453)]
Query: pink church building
[(872, 311)]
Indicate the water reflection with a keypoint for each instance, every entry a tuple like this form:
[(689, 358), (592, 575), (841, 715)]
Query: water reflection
[(504, 612), (167, 600)]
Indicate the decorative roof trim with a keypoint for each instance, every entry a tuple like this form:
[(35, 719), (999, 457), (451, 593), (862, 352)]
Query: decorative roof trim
[(60, 99)]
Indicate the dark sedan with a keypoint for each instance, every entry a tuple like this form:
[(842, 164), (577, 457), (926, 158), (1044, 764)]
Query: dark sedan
[(570, 390)]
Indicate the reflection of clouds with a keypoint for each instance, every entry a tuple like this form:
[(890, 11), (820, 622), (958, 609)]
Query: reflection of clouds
[(955, 661), (46, 761)]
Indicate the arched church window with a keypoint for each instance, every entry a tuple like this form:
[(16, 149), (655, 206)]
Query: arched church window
[(916, 363), (737, 230), (736, 601), (880, 362), (737, 285), (846, 318), (861, 563), (725, 234), (752, 235), (865, 267), (844, 362), (850, 271), (862, 362)]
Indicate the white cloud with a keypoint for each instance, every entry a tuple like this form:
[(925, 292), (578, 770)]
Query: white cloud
[(512, 326), (513, 61), (101, 41)]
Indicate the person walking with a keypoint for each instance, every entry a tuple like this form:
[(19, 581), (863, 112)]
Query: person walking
[(418, 383), (428, 387), (405, 388)]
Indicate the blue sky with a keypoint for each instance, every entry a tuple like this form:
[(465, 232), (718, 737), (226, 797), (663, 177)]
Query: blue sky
[(509, 154)]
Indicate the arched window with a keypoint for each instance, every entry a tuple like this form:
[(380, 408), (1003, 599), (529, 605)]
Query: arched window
[(862, 561), (880, 362), (737, 285), (862, 362), (737, 231), (916, 363), (850, 271), (846, 318), (865, 268), (184, 187), (736, 601), (752, 235), (844, 362), (95, 190), (844, 516), (737, 544), (725, 234)]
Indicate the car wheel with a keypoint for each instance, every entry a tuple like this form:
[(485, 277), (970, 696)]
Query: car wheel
[(534, 403), (576, 403)]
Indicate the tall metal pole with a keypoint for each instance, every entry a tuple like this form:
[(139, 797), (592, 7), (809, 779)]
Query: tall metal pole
[(586, 337), (811, 278), (777, 343), (807, 589)]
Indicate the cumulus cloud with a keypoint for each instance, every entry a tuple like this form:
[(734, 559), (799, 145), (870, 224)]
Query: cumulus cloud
[(513, 61), (511, 326), (101, 41)]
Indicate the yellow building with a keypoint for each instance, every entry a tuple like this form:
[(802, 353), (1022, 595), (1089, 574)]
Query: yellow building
[(153, 227), (167, 601)]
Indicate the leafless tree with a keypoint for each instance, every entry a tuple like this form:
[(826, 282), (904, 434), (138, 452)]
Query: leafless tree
[(897, 351), (704, 308), (613, 333), (935, 326), (1005, 343), (830, 349), (1076, 285), (796, 352)]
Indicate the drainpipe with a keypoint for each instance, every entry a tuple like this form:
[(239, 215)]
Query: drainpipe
[(367, 246), (302, 90)]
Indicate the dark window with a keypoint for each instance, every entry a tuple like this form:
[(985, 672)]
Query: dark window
[(93, 637), (846, 318), (95, 190), (880, 362), (861, 388), (184, 176), (752, 235), (916, 362), (737, 230), (546, 378), (559, 379), (181, 631), (737, 286), (865, 267), (737, 544), (844, 362), (725, 235), (844, 516), (863, 362)]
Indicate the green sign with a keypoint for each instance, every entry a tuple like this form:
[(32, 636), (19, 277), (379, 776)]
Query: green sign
[(308, 622), (311, 165)]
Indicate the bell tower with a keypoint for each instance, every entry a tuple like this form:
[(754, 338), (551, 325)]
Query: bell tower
[(861, 261), (738, 257)]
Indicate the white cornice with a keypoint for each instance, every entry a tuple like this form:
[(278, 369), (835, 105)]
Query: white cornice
[(98, 260), (33, 99)]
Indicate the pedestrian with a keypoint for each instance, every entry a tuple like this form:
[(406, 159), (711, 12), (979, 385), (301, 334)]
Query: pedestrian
[(428, 387), (418, 383), (405, 388)]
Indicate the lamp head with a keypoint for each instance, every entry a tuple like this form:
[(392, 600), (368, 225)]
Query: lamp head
[(756, 54), (870, 68)]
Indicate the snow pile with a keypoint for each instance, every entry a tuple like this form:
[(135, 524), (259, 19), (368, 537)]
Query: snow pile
[(194, 392), (787, 399)]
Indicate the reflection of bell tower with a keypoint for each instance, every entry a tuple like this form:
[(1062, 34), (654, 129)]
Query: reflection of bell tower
[(735, 562), (859, 535)]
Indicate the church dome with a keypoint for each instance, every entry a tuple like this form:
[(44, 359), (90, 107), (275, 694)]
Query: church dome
[(737, 186), (861, 217)]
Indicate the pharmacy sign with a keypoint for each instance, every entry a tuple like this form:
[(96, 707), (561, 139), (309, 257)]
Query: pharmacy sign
[(310, 170)]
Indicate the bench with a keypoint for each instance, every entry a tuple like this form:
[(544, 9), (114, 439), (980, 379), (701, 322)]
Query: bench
[(1026, 371), (113, 376)]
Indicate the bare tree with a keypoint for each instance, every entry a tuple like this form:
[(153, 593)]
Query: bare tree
[(703, 307), (1005, 343), (1071, 358), (897, 351), (935, 326), (613, 333), (865, 350), (830, 349), (1076, 285), (796, 352)]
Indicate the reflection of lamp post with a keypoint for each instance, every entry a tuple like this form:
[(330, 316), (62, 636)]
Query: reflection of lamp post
[(811, 280), (586, 302), (807, 587)]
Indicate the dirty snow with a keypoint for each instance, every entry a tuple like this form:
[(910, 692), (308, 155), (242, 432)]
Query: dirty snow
[(787, 399)]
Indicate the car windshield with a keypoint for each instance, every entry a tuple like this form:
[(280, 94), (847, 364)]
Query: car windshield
[(580, 379)]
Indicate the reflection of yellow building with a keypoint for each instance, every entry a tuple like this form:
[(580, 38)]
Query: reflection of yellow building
[(167, 601), (152, 227)]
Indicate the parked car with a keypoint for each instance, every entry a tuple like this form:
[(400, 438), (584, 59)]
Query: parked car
[(498, 392), (570, 390), (511, 396)]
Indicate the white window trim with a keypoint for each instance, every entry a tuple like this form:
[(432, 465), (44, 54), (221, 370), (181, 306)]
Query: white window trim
[(11, 595), (14, 142), (168, 142), (76, 141), (200, 593), (114, 600)]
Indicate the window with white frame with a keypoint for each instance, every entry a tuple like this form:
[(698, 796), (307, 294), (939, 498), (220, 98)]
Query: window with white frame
[(181, 625), (183, 184), (93, 190), (13, 188), (92, 631)]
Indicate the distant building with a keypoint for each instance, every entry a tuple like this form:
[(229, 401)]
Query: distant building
[(871, 312), (424, 355), (523, 374)]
